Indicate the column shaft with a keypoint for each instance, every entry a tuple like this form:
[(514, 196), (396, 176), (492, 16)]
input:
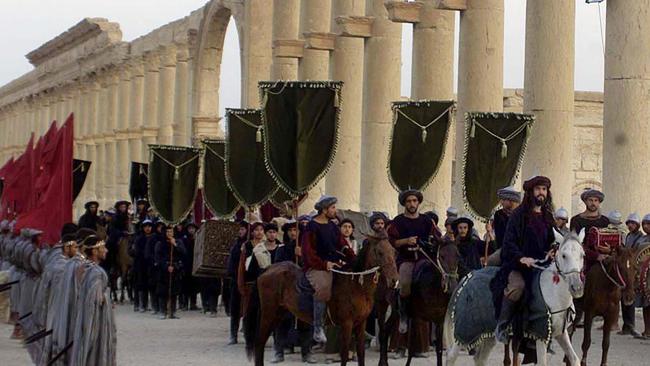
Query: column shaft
[(136, 152), (167, 90), (257, 52), (181, 101), (151, 82), (123, 161)]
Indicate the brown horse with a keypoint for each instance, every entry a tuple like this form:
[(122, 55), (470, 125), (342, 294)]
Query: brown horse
[(432, 292), (385, 299), (351, 302), (606, 283), (122, 269)]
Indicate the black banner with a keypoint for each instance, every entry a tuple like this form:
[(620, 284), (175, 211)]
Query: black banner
[(79, 174), (216, 194)]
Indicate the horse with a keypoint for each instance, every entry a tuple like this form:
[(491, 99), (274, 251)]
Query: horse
[(560, 282), (431, 295), (351, 302), (121, 269), (605, 284), (385, 308)]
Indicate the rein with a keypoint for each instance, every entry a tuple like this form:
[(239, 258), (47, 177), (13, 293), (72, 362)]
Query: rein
[(620, 286), (437, 265), (374, 270)]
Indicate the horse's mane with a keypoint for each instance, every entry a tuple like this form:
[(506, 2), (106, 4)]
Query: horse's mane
[(359, 263)]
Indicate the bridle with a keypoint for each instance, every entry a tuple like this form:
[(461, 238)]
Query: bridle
[(446, 276), (621, 285)]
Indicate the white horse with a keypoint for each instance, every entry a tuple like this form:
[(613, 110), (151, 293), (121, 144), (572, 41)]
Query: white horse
[(560, 283)]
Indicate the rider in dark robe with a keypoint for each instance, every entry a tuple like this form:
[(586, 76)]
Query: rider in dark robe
[(118, 229), (528, 239), (323, 248), (90, 219), (509, 199), (407, 233), (141, 266), (94, 330), (471, 249), (168, 257)]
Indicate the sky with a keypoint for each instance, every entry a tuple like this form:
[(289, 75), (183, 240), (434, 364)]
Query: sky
[(27, 24)]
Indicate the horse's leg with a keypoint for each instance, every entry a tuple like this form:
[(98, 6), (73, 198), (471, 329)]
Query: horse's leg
[(586, 340), (410, 342), (382, 336), (452, 354), (506, 355), (360, 334), (346, 336), (570, 354), (439, 329), (268, 322), (483, 352), (515, 351), (610, 320), (540, 347)]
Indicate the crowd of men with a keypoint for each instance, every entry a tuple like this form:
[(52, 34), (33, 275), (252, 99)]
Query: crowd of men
[(54, 285)]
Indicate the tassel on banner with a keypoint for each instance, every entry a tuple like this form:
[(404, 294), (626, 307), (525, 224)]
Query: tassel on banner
[(141, 168), (83, 167), (361, 280), (336, 99), (424, 135), (504, 149), (258, 135), (177, 173), (472, 130)]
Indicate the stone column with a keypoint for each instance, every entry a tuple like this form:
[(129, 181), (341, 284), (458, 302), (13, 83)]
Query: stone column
[(151, 82), (167, 90), (314, 64), (257, 53), (38, 113), (91, 133), (287, 48), (181, 101), (123, 160), (627, 106), (480, 72), (548, 94), (381, 87), (136, 151), (343, 180), (113, 163), (80, 124), (45, 112)]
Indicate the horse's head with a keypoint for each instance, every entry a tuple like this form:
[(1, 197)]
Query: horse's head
[(447, 256), (624, 272), (569, 260), (380, 253)]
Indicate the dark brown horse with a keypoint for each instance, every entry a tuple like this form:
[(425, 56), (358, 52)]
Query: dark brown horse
[(605, 284), (351, 302), (432, 292), (385, 299)]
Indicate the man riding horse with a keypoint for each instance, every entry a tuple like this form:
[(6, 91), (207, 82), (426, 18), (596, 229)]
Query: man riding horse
[(529, 237), (405, 233), (324, 249)]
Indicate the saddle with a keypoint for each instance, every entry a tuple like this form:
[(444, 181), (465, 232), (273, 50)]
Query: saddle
[(473, 312)]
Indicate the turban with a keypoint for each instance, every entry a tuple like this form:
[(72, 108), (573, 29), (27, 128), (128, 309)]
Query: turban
[(433, 216), (452, 212), (634, 217), (324, 202), (509, 193), (462, 220), (377, 216), (615, 217), (410, 192), (562, 213), (646, 218), (592, 193), (535, 181), (91, 203), (270, 227)]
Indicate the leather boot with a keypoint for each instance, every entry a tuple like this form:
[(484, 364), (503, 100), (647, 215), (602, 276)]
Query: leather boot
[(402, 304), (319, 312), (507, 310)]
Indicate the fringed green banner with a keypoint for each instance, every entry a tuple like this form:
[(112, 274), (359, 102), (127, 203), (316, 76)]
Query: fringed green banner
[(246, 172), (216, 194), (300, 131), (495, 145), (418, 141), (173, 180)]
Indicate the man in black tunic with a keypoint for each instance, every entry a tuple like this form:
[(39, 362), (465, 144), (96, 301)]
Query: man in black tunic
[(407, 231), (141, 266), (528, 238), (90, 219), (591, 216), (470, 248), (233, 269), (509, 199), (169, 255)]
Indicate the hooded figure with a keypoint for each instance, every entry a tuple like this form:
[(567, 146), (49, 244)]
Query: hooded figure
[(90, 219)]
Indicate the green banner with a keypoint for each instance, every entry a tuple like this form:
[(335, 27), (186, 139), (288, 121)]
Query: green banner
[(216, 194), (418, 141), (301, 130), (246, 171), (173, 178), (495, 145)]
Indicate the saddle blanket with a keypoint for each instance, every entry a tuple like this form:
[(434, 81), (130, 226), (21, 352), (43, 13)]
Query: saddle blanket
[(473, 310)]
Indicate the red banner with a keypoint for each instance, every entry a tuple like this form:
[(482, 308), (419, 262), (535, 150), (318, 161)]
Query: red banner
[(52, 186)]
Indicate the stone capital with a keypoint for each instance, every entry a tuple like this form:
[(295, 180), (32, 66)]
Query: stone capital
[(182, 52), (355, 26), (152, 61), (167, 55), (403, 12), (136, 64), (290, 48), (452, 4), (320, 40), (147, 131)]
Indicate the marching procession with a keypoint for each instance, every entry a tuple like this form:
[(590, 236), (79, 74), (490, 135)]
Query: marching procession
[(61, 298)]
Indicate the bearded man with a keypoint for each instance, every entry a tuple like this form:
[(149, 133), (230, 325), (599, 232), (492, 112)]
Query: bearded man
[(528, 238), (591, 216), (90, 219)]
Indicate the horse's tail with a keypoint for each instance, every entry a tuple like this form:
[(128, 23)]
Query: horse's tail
[(252, 322)]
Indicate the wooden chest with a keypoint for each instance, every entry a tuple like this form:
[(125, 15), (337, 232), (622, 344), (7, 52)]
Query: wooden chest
[(212, 248), (597, 238)]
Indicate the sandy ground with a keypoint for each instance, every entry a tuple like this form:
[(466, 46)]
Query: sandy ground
[(199, 340)]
